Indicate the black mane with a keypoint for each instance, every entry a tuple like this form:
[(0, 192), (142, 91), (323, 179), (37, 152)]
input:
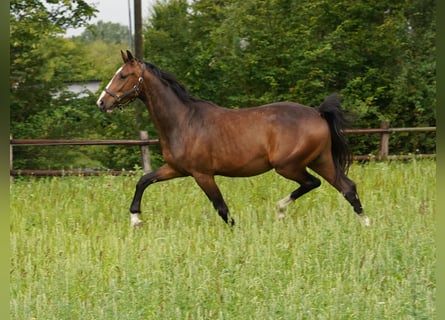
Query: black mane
[(169, 80)]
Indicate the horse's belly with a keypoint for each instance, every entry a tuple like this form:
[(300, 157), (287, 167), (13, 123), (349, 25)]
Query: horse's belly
[(244, 168)]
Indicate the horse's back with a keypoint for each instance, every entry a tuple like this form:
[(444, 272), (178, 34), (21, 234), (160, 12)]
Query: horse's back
[(285, 121), (293, 118)]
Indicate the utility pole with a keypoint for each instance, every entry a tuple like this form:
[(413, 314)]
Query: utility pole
[(138, 29), (139, 53), (139, 106)]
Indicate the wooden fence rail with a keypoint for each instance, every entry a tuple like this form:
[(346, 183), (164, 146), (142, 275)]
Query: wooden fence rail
[(54, 142), (384, 131)]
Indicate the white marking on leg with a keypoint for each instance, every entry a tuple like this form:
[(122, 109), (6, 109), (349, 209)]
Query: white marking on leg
[(282, 205), (364, 220), (135, 221)]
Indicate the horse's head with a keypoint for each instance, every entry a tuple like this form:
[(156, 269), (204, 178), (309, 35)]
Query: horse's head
[(125, 85)]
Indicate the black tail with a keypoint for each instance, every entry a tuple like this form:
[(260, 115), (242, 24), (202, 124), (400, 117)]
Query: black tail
[(331, 111)]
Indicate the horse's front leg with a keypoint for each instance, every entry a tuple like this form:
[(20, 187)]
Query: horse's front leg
[(208, 185), (161, 174)]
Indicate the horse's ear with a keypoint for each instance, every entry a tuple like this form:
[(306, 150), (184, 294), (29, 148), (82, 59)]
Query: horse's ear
[(129, 55), (124, 57)]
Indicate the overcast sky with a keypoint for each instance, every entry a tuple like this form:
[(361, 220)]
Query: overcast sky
[(114, 11)]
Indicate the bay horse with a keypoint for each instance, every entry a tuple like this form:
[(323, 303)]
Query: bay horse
[(202, 140)]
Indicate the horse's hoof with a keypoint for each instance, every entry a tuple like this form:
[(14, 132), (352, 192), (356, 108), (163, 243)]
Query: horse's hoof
[(137, 224)]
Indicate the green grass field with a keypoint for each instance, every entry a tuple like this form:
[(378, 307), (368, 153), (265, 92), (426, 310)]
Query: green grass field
[(75, 256)]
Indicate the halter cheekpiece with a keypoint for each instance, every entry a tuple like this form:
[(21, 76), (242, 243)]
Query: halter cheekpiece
[(134, 90)]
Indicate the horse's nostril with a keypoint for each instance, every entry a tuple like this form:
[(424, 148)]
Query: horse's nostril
[(100, 103)]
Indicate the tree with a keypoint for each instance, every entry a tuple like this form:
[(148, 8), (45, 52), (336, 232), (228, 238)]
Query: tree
[(169, 34), (378, 55), (40, 63), (108, 32), (38, 57)]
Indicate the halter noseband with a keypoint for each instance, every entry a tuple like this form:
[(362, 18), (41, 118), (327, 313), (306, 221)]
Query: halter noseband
[(134, 90)]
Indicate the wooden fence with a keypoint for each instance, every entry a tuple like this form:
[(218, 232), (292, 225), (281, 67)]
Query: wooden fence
[(383, 154)]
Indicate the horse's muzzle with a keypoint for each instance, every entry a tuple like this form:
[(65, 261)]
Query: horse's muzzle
[(103, 106)]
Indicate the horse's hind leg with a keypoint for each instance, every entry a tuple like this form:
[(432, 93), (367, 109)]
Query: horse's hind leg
[(349, 190), (307, 183), (343, 184)]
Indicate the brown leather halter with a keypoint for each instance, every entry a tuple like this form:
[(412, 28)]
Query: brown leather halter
[(134, 90)]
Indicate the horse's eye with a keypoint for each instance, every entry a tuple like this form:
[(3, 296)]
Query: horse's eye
[(123, 76)]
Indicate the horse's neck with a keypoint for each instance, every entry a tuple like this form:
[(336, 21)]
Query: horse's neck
[(166, 110)]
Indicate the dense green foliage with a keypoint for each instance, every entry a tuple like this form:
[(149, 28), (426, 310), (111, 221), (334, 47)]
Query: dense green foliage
[(43, 62), (107, 32), (38, 56), (74, 255), (380, 56)]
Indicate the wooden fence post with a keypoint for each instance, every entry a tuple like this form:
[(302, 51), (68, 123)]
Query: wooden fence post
[(384, 141), (145, 153)]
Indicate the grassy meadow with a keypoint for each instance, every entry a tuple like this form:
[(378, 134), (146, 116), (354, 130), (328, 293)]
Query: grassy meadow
[(75, 256)]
